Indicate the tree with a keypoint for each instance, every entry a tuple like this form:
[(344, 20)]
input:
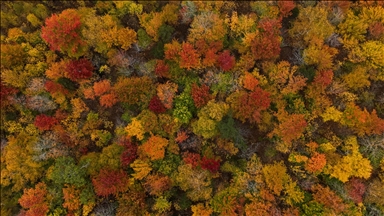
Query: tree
[(5, 93), (195, 182), (275, 176), (189, 58), (156, 106), (200, 95), (156, 184), (207, 26), (135, 128), (18, 165), (55, 88), (110, 182), (110, 157), (101, 87), (134, 90), (153, 148), (71, 197), (129, 153), (166, 93), (311, 25), (105, 32), (44, 122), (12, 55), (79, 69), (226, 202), (285, 7), (225, 61), (201, 210), (210, 164), (108, 100), (40, 103), (161, 204), (320, 55), (162, 69), (361, 121), (328, 198), (191, 158), (316, 163), (35, 200), (356, 189), (249, 81), (323, 79), (357, 79), (248, 106), (267, 44), (132, 202), (153, 21), (142, 169), (62, 33), (65, 171), (353, 164), (291, 127)]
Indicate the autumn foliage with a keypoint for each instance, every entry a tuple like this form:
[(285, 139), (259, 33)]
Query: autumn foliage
[(200, 95), (210, 164), (129, 153), (248, 106), (156, 106), (44, 122), (62, 32), (192, 108), (34, 200), (110, 182), (267, 45), (162, 69), (79, 69), (225, 61), (189, 57)]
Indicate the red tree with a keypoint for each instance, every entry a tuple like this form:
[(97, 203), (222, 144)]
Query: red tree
[(5, 92), (356, 189), (200, 95), (285, 7), (110, 182), (247, 106), (292, 127), (79, 69), (156, 106), (226, 61), (161, 69), (210, 164), (323, 79), (267, 44), (191, 158), (62, 32), (189, 58), (53, 87), (129, 153), (43, 122)]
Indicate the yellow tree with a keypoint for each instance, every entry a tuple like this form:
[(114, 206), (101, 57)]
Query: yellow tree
[(20, 168), (196, 182), (311, 24), (207, 26), (353, 164)]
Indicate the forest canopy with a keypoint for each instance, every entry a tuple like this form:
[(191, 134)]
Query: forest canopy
[(192, 108)]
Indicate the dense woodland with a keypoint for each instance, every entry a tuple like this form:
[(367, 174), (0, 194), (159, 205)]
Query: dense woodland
[(192, 108)]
